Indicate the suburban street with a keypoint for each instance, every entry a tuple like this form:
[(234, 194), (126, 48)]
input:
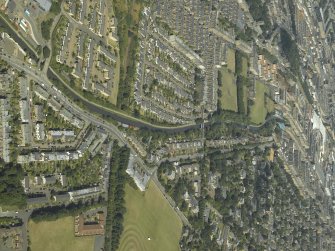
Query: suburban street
[(89, 117), (173, 125)]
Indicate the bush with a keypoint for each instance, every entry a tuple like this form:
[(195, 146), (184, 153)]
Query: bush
[(259, 12), (56, 7), (11, 190), (46, 52), (290, 50), (45, 28), (7, 222)]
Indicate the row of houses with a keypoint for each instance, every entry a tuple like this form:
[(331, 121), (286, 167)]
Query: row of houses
[(57, 107), (48, 156)]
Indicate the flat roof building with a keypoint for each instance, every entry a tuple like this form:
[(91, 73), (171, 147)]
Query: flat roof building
[(84, 229), (44, 4)]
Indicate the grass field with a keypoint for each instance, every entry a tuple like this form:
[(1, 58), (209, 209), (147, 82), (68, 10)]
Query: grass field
[(229, 91), (57, 236), (115, 88), (262, 105), (231, 59), (149, 215)]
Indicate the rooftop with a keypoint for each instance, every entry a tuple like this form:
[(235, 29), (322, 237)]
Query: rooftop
[(44, 4), (89, 228)]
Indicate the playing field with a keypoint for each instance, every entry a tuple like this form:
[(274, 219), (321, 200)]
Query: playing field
[(262, 104), (229, 91), (149, 216), (231, 59), (57, 236)]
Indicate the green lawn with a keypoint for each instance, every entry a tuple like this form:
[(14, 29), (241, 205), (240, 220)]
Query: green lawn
[(57, 236), (262, 105), (149, 215), (229, 91), (231, 59)]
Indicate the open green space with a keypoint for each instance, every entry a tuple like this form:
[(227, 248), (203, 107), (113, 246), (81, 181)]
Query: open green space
[(128, 15), (57, 235), (228, 91), (231, 59), (262, 104), (149, 216)]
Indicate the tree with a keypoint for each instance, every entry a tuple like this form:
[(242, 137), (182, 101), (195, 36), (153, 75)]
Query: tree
[(45, 28), (115, 206), (11, 190)]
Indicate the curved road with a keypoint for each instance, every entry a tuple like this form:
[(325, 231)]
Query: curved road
[(93, 107), (117, 115)]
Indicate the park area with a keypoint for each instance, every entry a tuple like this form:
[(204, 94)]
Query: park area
[(150, 223), (231, 59), (262, 105), (57, 235), (228, 90), (244, 67)]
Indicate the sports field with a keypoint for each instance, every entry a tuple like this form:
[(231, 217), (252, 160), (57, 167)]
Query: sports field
[(149, 216), (231, 59), (229, 91), (262, 106), (57, 236)]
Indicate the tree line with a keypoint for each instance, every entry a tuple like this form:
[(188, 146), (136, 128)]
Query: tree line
[(51, 213), (11, 190), (7, 222), (116, 192)]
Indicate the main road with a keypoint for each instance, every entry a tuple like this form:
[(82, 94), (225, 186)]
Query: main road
[(118, 115), (90, 106), (42, 79), (89, 117)]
